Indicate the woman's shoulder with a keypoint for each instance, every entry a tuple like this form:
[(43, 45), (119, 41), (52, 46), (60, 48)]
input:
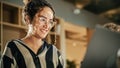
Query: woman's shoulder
[(11, 43)]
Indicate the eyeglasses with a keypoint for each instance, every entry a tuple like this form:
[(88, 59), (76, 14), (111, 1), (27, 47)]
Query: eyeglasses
[(43, 20)]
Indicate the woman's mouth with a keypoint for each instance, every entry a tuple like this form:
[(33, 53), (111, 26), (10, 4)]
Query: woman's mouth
[(44, 31)]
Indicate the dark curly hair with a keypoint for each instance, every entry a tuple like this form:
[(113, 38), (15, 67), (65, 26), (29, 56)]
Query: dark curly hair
[(32, 7)]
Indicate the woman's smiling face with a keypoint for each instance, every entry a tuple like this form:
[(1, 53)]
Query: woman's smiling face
[(42, 22)]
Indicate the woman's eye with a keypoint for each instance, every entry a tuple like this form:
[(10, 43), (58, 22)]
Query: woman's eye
[(42, 19)]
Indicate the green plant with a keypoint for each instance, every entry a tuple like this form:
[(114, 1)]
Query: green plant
[(71, 64)]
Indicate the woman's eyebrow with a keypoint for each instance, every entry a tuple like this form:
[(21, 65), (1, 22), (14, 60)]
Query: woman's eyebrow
[(43, 17)]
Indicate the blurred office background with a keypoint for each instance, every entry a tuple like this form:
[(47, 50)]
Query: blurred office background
[(76, 20)]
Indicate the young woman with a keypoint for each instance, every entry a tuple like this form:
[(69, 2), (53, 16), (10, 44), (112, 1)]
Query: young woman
[(31, 51)]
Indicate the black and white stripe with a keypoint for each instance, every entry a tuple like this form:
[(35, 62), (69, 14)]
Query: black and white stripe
[(18, 55)]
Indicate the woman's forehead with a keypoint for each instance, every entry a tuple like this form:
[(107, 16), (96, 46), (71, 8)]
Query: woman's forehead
[(47, 12)]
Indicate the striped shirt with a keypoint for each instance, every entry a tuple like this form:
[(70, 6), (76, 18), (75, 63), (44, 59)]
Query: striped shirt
[(18, 55)]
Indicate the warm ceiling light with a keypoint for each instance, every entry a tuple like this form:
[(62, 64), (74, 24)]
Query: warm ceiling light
[(80, 6), (81, 3), (26, 1)]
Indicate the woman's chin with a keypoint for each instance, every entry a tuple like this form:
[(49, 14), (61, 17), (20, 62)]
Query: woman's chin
[(43, 36)]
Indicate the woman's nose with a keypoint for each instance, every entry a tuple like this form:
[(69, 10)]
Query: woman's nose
[(46, 25)]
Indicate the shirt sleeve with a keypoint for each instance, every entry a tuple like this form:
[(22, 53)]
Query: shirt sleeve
[(7, 58)]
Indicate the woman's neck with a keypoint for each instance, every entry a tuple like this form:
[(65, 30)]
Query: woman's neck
[(33, 40), (33, 43)]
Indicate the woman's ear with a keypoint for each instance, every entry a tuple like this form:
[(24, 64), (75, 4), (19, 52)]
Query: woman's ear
[(27, 19)]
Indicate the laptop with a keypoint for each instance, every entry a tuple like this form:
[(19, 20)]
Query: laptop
[(102, 49)]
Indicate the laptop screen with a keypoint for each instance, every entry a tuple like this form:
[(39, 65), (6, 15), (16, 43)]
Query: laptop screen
[(102, 49)]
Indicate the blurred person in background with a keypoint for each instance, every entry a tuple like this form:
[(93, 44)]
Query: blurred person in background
[(114, 60)]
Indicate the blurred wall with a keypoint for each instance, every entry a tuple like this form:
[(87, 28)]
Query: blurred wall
[(65, 10)]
